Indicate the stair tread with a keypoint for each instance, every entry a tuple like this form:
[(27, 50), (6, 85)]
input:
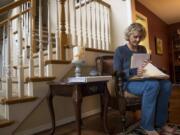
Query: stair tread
[(39, 79), (14, 100), (57, 62), (4, 122)]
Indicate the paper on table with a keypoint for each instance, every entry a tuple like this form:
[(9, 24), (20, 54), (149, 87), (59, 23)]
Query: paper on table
[(138, 59), (89, 78)]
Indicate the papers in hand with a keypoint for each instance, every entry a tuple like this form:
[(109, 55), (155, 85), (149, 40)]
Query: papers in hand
[(150, 71), (138, 59), (89, 79)]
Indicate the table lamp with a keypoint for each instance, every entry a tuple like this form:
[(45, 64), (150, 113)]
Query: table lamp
[(78, 59)]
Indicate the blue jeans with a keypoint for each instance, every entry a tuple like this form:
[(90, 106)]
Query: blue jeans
[(155, 96)]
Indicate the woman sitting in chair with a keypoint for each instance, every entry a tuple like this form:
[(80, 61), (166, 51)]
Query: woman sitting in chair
[(155, 93)]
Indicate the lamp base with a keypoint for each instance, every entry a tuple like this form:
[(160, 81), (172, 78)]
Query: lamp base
[(78, 64)]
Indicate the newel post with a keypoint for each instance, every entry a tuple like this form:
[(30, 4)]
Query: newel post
[(63, 35)]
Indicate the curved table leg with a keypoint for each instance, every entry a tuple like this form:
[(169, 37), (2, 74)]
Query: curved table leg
[(105, 111), (77, 100), (51, 110), (102, 104)]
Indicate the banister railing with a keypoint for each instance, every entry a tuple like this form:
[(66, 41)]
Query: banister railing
[(92, 24), (12, 5), (86, 23), (12, 28)]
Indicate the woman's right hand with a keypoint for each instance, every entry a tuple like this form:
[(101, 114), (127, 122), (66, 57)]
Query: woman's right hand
[(140, 69)]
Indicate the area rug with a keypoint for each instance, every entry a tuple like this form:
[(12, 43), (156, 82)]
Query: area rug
[(137, 130)]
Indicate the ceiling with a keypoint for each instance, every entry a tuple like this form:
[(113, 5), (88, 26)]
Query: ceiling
[(166, 10)]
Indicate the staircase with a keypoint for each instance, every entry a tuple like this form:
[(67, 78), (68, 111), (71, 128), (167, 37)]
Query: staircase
[(33, 54)]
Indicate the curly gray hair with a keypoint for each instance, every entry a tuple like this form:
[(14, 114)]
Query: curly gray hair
[(135, 27)]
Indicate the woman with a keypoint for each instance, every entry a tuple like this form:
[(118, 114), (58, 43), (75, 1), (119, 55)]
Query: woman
[(155, 93)]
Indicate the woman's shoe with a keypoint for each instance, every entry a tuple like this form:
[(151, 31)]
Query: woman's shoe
[(153, 132), (168, 129)]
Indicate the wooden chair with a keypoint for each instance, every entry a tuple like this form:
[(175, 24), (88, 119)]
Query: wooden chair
[(121, 100)]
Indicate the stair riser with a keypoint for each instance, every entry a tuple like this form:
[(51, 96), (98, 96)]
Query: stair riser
[(2, 112), (14, 89)]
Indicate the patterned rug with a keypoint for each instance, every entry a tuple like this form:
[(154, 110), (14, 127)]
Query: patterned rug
[(136, 130)]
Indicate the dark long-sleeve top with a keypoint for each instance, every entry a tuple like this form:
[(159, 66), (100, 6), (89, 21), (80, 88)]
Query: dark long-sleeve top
[(122, 60)]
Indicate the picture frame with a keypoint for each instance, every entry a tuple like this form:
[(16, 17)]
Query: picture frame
[(159, 46)]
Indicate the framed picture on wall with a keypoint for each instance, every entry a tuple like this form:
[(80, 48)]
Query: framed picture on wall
[(158, 46)]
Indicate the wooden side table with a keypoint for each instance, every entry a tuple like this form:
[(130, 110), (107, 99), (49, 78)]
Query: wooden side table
[(78, 90)]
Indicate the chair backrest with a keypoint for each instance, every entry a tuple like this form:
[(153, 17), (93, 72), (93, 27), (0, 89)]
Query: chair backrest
[(104, 65)]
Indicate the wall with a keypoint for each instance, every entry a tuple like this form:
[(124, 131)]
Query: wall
[(120, 20), (173, 27), (157, 28)]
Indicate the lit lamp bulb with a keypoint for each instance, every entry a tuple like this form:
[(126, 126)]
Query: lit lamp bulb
[(78, 59), (78, 53)]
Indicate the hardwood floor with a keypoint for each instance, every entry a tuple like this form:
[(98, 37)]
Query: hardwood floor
[(93, 125), (174, 106)]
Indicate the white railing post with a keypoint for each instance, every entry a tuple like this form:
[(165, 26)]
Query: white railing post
[(86, 25), (27, 35), (81, 30), (69, 37), (75, 29), (91, 26), (57, 31), (4, 51), (41, 56), (100, 32), (20, 58), (32, 39), (49, 32), (104, 32), (95, 25), (8, 67), (50, 54), (108, 31)]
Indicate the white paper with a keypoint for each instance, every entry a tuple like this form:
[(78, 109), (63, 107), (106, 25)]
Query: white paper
[(138, 59), (150, 71), (89, 78)]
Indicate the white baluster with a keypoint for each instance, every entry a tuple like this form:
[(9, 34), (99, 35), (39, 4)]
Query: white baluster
[(104, 32), (8, 67), (41, 55), (86, 25), (57, 31), (49, 32), (81, 30), (20, 58), (108, 31), (27, 36), (100, 38), (31, 41), (91, 26), (41, 59), (95, 25), (75, 26), (69, 38), (4, 51)]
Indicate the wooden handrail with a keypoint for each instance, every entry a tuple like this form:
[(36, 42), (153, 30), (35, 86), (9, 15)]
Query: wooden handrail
[(13, 17), (99, 1), (12, 5)]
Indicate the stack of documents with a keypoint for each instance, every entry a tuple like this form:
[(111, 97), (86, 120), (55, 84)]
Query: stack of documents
[(89, 78)]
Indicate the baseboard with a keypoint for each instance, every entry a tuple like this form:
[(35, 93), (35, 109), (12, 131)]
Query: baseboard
[(58, 123)]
